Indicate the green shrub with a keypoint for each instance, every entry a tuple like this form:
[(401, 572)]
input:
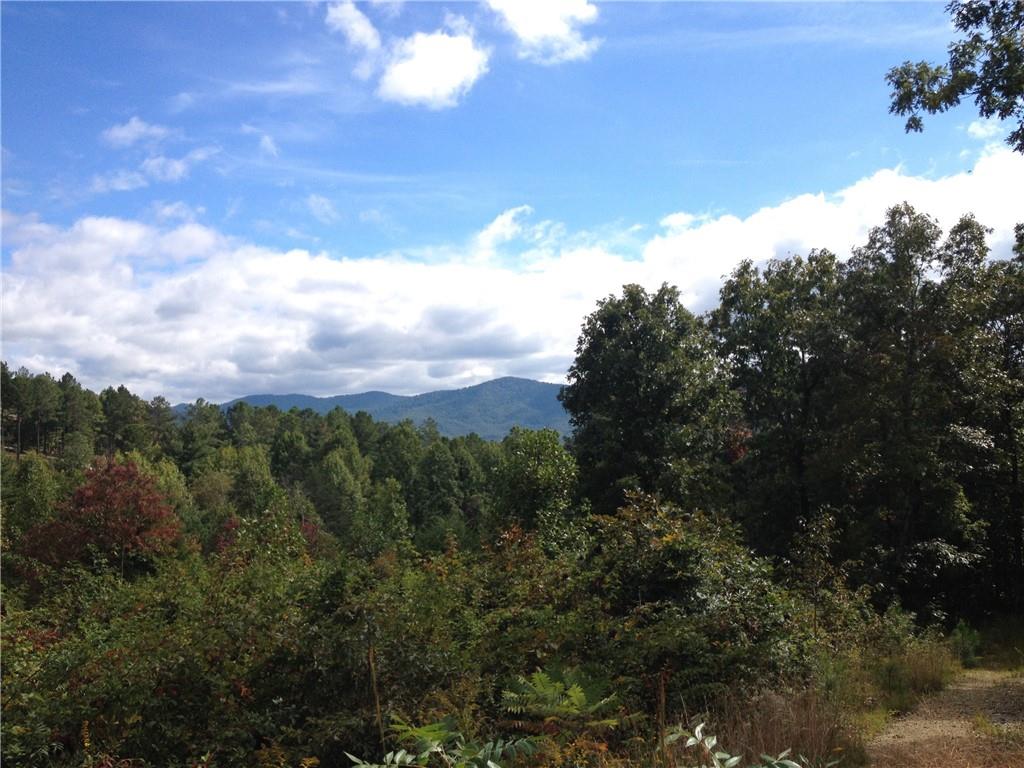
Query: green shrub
[(964, 643), (1002, 643), (439, 744), (925, 667)]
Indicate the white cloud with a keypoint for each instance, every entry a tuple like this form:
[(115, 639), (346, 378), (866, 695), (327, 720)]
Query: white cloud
[(322, 209), (360, 33), (163, 168), (389, 8), (358, 30), (153, 168), (182, 101), (677, 222), (118, 181), (704, 248), (268, 146), (178, 210), (299, 83), (985, 129), (134, 130), (504, 228), (433, 70), (548, 30), (116, 301)]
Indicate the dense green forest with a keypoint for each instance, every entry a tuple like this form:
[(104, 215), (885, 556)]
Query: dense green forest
[(791, 494)]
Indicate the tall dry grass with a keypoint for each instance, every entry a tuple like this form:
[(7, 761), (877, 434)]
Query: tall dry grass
[(951, 752), (926, 666), (770, 723)]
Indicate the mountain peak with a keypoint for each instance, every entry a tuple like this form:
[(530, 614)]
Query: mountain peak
[(489, 409)]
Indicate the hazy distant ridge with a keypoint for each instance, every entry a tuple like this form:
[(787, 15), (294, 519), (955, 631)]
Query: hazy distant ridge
[(490, 409)]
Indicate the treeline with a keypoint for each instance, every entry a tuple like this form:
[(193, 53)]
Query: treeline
[(749, 498), (346, 473), (882, 396)]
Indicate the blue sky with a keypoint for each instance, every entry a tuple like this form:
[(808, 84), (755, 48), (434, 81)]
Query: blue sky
[(213, 199)]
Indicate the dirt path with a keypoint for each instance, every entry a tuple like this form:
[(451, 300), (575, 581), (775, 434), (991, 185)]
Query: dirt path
[(977, 722)]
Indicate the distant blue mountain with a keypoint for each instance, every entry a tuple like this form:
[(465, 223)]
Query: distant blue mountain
[(490, 409)]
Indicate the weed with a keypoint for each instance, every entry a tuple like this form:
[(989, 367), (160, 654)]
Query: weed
[(925, 667), (1002, 644), (804, 721), (965, 642)]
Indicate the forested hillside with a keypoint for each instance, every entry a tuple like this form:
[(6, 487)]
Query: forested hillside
[(489, 409), (774, 508)]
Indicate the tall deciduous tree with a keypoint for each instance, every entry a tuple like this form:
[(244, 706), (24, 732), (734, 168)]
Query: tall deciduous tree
[(437, 492), (382, 523), (117, 513), (338, 488), (535, 474), (896, 405), (30, 495), (777, 329), (648, 400), (989, 352), (398, 453)]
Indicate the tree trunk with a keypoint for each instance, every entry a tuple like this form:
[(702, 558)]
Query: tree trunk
[(1017, 516), (371, 657)]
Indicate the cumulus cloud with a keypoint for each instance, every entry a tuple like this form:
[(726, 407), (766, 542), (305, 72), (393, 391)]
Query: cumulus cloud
[(136, 129), (504, 228), (548, 31), (707, 247), (153, 168), (121, 301), (985, 129), (434, 70)]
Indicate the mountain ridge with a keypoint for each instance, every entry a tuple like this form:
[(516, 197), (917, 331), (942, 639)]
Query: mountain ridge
[(490, 409)]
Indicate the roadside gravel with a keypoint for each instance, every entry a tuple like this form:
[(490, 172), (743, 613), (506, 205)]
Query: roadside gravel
[(977, 722)]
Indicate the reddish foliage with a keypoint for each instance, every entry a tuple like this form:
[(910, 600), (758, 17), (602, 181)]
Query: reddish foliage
[(116, 512), (737, 443), (40, 638), (513, 536), (228, 534), (311, 533)]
